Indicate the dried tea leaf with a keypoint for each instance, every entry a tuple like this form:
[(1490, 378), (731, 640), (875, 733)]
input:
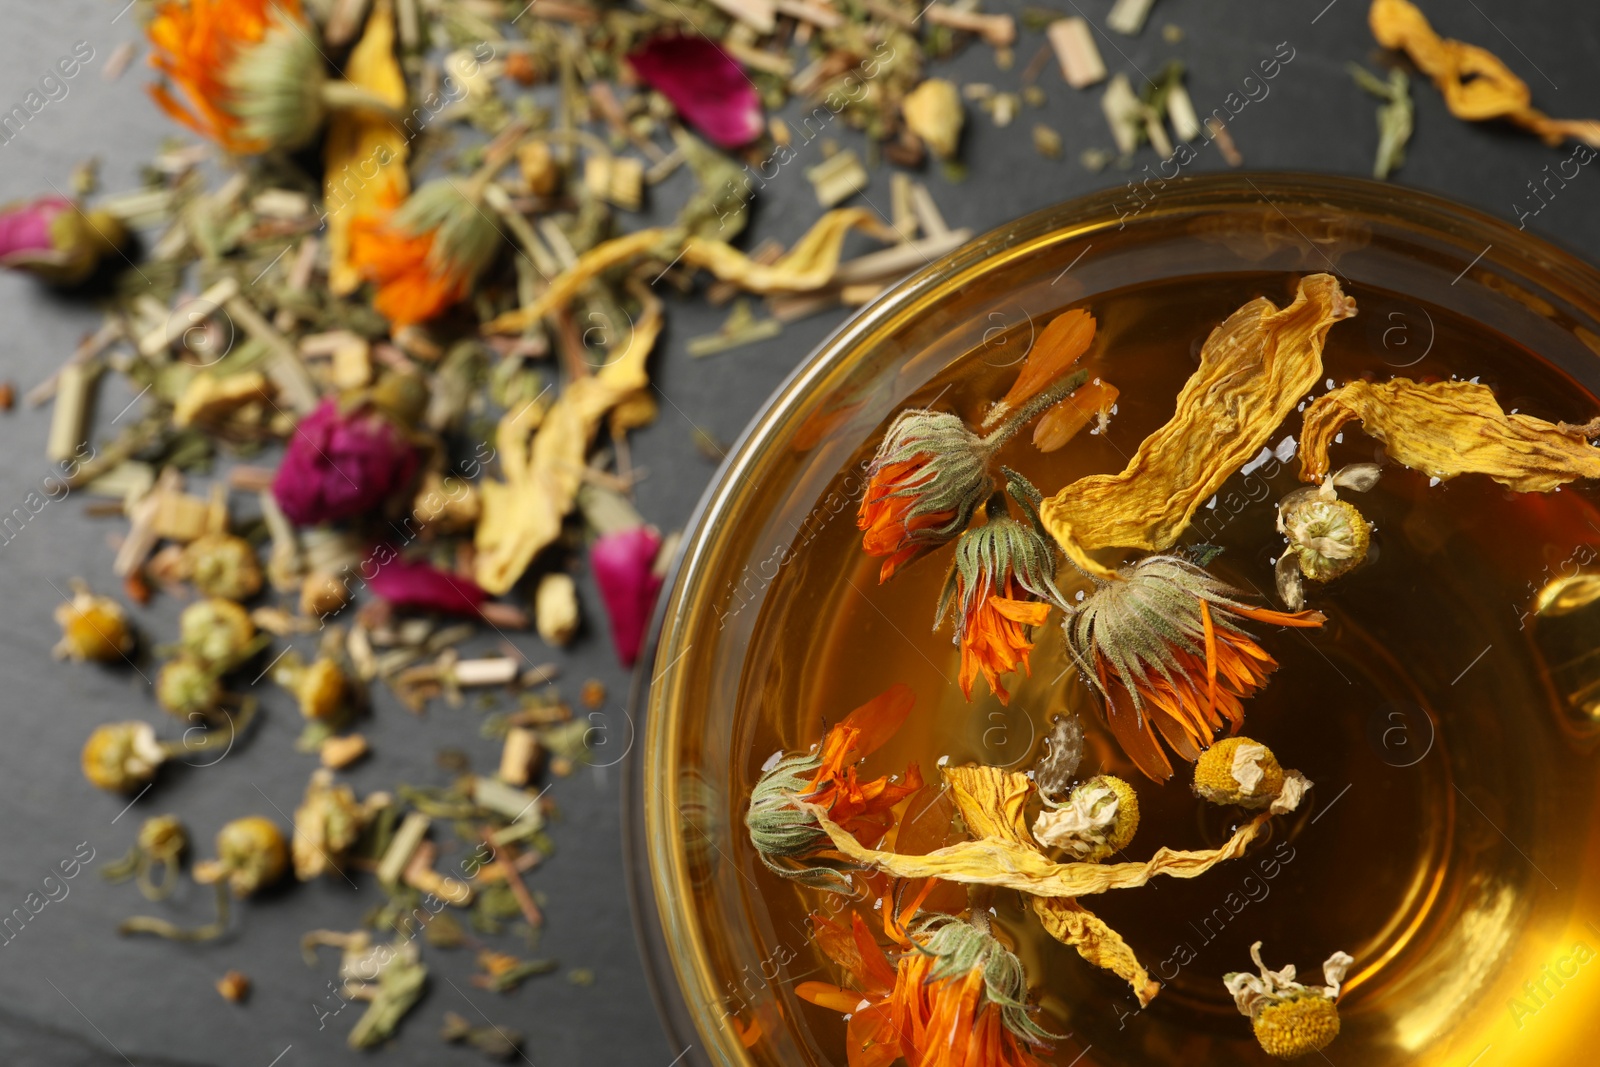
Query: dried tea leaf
[(523, 514), (1395, 116), (359, 142), (1448, 428), (1476, 85), (1254, 369)]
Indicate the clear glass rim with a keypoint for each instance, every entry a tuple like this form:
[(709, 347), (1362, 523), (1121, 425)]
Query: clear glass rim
[(681, 984)]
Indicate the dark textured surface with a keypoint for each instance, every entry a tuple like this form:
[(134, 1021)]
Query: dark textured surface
[(72, 993)]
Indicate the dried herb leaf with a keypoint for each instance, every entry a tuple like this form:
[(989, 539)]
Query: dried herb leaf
[(1394, 116), (1254, 369), (1448, 428)]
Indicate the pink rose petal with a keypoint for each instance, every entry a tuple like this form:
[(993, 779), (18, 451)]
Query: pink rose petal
[(622, 562), (709, 89), (413, 584)]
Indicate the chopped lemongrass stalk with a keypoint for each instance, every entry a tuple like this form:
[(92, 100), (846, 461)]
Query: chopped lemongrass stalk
[(281, 204), (419, 874), (498, 670), (902, 215), (999, 31), (1127, 17), (407, 839), (518, 805), (856, 295), (69, 419), (928, 215), (518, 757), (1181, 113), (898, 260), (283, 363), (837, 179), (1073, 43), (1125, 113), (812, 11), (760, 59), (759, 15), (186, 317), (1218, 132)]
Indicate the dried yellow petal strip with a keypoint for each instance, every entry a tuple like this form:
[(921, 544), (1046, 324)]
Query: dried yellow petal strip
[(1254, 369), (809, 265), (523, 514), (993, 804), (1072, 924), (997, 862), (1476, 85), (1448, 428), (364, 156)]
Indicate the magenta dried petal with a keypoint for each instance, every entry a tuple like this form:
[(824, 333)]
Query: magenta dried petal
[(413, 584), (623, 565), (709, 89), (25, 227), (340, 465)]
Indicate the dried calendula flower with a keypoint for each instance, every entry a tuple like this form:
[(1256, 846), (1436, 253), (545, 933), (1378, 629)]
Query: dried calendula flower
[(93, 628), (222, 565), (1290, 1019), (1059, 345), (933, 112), (958, 988), (251, 70), (781, 819), (1000, 588), (1327, 536), (1237, 770), (1099, 818), (426, 255), (1448, 428), (188, 687), (251, 854), (1163, 645), (1254, 369), (1476, 85), (217, 633), (122, 756), (931, 474)]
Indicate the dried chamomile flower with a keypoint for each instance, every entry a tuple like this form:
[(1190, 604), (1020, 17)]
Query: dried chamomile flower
[(122, 756), (1327, 536), (1000, 587), (188, 687), (327, 823), (93, 628), (1237, 770), (320, 688), (1099, 818), (1054, 772), (1290, 1019), (251, 854), (1163, 644), (160, 844), (222, 565), (217, 633)]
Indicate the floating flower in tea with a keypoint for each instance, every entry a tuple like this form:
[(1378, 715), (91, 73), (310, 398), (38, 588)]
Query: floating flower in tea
[(1163, 646), (1098, 819), (1327, 536), (1290, 1019), (1239, 771)]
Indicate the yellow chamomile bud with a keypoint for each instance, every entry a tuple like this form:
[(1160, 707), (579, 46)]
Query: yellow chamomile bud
[(187, 687), (320, 689), (92, 628), (1237, 770), (222, 565), (251, 854), (216, 632), (122, 756)]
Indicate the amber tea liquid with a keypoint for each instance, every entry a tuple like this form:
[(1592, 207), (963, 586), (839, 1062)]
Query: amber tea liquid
[(1452, 841)]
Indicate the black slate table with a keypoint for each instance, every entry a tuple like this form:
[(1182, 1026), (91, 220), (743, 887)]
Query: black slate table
[(73, 994)]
